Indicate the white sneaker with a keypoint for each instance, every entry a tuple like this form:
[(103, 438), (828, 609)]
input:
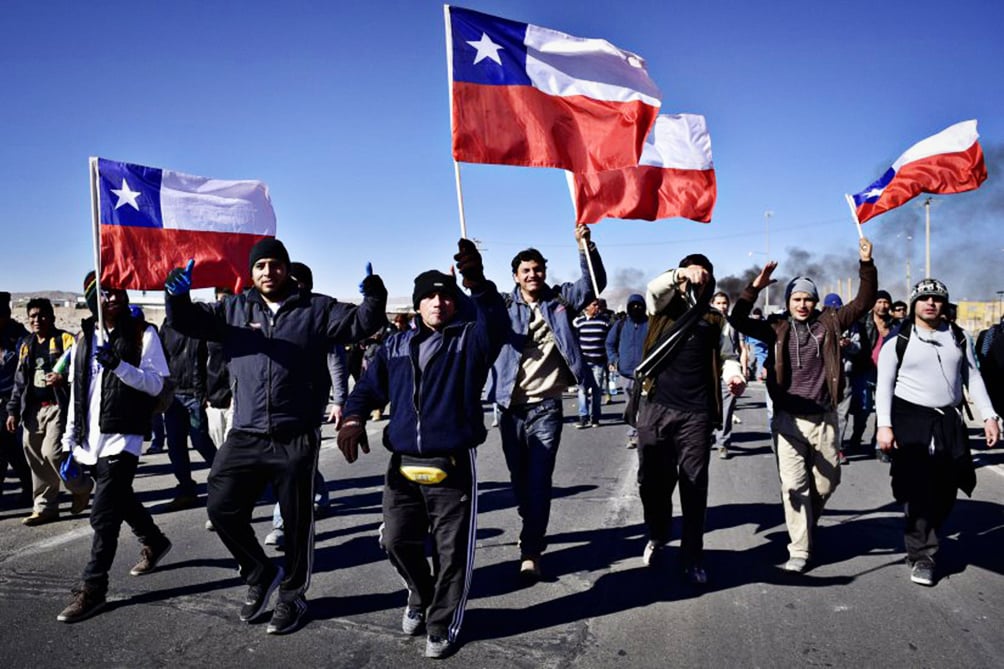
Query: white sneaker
[(652, 548)]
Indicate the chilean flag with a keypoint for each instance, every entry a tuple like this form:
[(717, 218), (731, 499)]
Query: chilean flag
[(526, 95), (949, 162), (153, 220), (675, 177)]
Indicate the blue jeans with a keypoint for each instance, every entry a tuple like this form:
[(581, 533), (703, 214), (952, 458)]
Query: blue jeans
[(183, 419), (591, 398), (530, 435)]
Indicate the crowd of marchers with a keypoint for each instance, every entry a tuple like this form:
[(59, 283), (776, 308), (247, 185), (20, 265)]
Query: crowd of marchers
[(247, 382)]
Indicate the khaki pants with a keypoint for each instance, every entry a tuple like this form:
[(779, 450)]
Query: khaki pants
[(43, 433), (809, 470)]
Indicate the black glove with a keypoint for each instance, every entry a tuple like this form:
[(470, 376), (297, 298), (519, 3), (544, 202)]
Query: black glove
[(179, 281), (469, 263), (107, 357), (372, 286), (352, 437)]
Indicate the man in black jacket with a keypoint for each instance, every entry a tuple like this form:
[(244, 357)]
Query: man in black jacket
[(275, 338)]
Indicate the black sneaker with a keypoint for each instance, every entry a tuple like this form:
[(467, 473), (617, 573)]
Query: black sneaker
[(922, 572), (149, 557), (583, 423), (696, 574), (287, 616), (85, 603), (258, 596)]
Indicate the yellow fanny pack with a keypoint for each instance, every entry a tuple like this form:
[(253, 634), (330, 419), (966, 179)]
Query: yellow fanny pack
[(426, 471)]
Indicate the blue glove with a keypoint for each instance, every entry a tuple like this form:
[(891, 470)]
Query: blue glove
[(372, 285), (179, 281), (69, 470), (107, 356)]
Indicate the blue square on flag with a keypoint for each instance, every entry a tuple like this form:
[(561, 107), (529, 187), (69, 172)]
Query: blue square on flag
[(488, 49), (129, 194)]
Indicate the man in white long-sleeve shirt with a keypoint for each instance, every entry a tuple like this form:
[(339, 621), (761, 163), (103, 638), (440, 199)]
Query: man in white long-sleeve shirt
[(113, 386), (919, 405)]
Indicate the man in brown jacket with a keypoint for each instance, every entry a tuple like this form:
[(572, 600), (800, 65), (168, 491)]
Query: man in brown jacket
[(805, 380)]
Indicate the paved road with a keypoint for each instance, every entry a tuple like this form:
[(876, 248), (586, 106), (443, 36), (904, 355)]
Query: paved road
[(598, 606)]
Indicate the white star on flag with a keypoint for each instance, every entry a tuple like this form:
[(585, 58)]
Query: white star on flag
[(874, 192), (126, 196), (486, 49)]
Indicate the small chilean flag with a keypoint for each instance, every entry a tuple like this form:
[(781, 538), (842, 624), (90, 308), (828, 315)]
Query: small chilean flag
[(949, 162), (675, 177), (526, 95), (153, 220)]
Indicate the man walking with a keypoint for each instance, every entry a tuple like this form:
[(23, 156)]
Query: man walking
[(276, 338), (11, 452), (625, 344), (432, 375), (919, 400), (539, 360), (591, 328), (39, 401), (805, 380), (680, 405), (723, 435), (115, 377)]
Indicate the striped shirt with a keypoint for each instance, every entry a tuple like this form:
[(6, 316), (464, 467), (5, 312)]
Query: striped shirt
[(592, 338)]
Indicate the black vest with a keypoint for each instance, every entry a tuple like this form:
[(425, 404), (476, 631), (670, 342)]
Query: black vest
[(124, 410)]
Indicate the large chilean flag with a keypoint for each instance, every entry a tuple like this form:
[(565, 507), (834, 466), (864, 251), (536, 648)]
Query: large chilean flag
[(153, 220), (526, 95), (949, 162)]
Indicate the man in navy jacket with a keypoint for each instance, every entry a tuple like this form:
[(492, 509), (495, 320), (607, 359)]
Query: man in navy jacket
[(275, 338), (432, 376)]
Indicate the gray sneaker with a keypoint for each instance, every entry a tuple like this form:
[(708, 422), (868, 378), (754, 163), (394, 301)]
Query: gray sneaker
[(795, 565), (437, 647), (413, 621), (276, 538), (922, 572)]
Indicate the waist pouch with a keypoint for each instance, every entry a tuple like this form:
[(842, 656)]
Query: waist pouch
[(431, 470)]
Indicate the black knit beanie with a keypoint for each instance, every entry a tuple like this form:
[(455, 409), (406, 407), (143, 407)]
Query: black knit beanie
[(270, 247), (431, 282)]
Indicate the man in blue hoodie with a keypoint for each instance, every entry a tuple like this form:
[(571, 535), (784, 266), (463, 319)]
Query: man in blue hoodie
[(432, 375), (625, 343)]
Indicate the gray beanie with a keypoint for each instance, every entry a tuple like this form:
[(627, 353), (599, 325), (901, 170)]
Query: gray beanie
[(801, 284)]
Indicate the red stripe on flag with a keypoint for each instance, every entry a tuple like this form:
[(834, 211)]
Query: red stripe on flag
[(645, 192), (521, 125), (941, 174), (140, 258)]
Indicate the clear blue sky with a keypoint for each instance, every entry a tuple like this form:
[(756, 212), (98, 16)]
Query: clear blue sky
[(342, 108)]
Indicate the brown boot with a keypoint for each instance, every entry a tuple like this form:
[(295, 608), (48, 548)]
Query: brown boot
[(87, 600), (40, 518), (149, 557)]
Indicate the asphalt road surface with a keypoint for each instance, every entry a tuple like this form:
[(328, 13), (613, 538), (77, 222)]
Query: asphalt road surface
[(597, 606)]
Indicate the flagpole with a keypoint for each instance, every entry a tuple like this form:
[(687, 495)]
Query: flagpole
[(927, 238), (460, 201), (854, 214), (570, 180), (96, 236)]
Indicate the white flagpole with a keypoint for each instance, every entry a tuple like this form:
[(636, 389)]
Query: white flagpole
[(449, 83), (96, 230), (570, 180), (854, 214)]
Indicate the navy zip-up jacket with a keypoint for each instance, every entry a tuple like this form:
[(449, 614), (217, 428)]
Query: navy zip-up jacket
[(439, 410), (274, 359)]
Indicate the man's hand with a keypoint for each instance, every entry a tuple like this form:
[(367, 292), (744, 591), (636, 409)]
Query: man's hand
[(737, 385), (693, 274), (469, 263), (864, 249), (335, 415), (352, 437), (179, 281), (372, 286), (582, 234), (11, 423), (54, 379), (107, 357), (992, 430), (763, 279), (885, 439)]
